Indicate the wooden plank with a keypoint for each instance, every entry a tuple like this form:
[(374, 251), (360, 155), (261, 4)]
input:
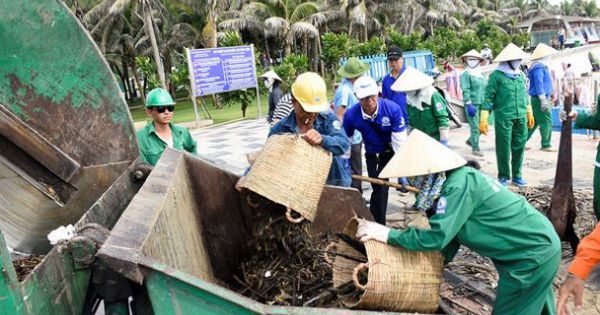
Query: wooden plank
[(336, 207), (30, 141)]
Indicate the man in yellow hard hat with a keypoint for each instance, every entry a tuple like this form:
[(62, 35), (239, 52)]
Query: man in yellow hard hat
[(312, 119), (160, 133)]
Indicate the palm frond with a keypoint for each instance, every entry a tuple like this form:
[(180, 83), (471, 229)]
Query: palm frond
[(299, 29), (358, 14), (303, 11), (324, 17), (275, 26), (244, 23)]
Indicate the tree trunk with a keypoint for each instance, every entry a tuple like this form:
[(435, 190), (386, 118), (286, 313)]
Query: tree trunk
[(350, 29), (366, 32), (322, 65), (267, 48), (287, 44), (116, 70), (136, 77), (130, 88), (150, 28)]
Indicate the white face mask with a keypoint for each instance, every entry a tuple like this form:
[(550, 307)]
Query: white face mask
[(515, 64), (472, 63)]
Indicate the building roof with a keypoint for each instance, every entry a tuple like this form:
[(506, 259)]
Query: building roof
[(566, 18)]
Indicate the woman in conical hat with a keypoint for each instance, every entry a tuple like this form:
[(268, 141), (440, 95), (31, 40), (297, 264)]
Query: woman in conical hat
[(540, 91), (472, 84), (273, 83), (506, 95), (471, 209), (426, 106)]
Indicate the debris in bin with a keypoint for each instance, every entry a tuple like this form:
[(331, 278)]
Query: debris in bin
[(24, 266), (286, 266)]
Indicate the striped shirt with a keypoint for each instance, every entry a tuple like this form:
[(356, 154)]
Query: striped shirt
[(284, 107)]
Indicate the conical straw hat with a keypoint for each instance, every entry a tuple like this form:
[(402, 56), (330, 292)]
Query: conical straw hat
[(421, 155), (542, 50), (472, 53), (291, 172), (411, 79), (511, 52), (271, 75)]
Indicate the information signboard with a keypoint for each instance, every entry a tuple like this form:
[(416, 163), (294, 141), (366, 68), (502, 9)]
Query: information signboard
[(222, 69)]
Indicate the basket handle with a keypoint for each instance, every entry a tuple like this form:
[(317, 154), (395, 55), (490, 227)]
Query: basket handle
[(288, 216), (329, 249), (357, 269), (253, 203)]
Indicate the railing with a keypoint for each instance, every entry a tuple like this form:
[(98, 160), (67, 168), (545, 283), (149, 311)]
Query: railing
[(420, 59)]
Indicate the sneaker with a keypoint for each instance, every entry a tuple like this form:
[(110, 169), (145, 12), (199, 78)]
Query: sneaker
[(468, 142), (503, 181), (477, 153), (518, 181), (548, 149)]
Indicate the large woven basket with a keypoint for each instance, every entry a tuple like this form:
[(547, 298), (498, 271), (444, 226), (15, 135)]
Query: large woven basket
[(291, 172), (398, 279)]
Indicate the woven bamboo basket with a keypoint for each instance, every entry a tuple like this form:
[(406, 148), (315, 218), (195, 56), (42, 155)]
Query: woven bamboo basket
[(290, 171), (398, 279)]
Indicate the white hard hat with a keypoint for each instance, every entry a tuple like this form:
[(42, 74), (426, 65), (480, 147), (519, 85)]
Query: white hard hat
[(365, 86)]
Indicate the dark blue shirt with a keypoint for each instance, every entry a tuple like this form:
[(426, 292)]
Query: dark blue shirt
[(377, 132), (334, 141), (398, 97)]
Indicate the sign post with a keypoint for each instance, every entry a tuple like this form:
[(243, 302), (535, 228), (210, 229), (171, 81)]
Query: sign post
[(221, 69)]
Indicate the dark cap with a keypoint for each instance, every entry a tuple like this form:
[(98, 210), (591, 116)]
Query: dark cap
[(394, 52)]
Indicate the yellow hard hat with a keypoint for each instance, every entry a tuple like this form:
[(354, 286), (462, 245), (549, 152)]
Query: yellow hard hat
[(310, 91)]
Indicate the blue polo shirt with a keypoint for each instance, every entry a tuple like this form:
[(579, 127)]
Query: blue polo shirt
[(344, 95), (398, 97), (334, 141), (376, 131)]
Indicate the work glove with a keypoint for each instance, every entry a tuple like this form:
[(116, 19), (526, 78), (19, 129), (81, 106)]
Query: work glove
[(404, 182), (530, 119), (543, 103), (444, 135), (563, 115), (483, 122), (471, 110), (368, 230)]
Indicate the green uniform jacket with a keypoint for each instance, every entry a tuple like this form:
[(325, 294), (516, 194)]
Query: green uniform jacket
[(589, 120), (505, 96), (431, 118), (472, 88), (152, 147), (476, 211)]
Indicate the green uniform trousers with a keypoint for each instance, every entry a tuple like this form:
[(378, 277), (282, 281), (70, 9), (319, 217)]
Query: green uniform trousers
[(474, 125), (527, 291), (511, 136), (542, 120)]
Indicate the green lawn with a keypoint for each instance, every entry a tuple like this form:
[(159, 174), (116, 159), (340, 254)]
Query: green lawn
[(184, 111)]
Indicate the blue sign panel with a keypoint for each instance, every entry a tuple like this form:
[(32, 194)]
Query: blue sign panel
[(222, 69)]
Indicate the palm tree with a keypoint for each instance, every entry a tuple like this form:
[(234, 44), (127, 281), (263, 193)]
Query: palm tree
[(567, 7), (106, 11), (589, 8)]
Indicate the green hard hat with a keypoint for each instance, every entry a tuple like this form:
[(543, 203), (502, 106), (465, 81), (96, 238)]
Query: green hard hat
[(159, 97), (353, 68)]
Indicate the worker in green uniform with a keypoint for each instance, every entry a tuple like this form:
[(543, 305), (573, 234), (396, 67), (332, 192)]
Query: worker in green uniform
[(540, 90), (471, 209), (426, 105), (506, 95), (160, 133), (472, 84), (589, 121)]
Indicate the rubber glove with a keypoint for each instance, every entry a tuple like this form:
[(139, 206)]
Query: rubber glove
[(444, 135), (543, 103), (563, 115), (530, 119), (368, 230), (483, 122), (471, 110)]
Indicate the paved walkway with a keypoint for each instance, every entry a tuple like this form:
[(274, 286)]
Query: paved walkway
[(227, 146)]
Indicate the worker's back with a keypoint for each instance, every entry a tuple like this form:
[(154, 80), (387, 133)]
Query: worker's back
[(502, 225)]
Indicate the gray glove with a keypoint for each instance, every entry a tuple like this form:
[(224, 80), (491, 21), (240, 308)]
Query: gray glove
[(544, 103)]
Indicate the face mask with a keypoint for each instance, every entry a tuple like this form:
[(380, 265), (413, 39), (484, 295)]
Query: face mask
[(269, 84), (514, 64), (412, 93), (472, 63)]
